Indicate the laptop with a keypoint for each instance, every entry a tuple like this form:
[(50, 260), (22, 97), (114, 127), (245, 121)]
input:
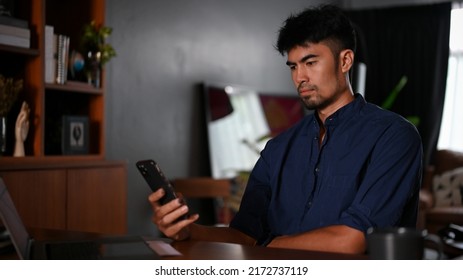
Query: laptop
[(121, 247)]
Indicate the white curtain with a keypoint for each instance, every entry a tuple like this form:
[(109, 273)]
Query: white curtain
[(451, 133)]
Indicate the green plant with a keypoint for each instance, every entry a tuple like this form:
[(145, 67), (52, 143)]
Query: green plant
[(387, 104), (94, 40), (9, 91)]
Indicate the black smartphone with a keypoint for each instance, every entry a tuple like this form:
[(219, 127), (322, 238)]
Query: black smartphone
[(156, 179)]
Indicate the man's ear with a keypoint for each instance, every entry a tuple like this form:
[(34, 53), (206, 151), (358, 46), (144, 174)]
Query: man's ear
[(347, 60)]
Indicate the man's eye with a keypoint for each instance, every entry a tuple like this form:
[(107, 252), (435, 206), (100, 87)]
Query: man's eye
[(292, 67), (310, 63)]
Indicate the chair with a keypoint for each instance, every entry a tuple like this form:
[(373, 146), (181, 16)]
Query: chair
[(205, 187), (433, 216)]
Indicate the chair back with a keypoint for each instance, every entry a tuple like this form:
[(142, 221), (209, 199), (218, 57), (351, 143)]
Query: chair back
[(206, 187)]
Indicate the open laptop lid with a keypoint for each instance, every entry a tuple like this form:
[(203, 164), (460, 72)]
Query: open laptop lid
[(122, 247), (13, 223)]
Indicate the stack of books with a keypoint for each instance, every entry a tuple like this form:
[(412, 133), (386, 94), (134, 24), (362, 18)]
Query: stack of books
[(14, 32), (56, 56)]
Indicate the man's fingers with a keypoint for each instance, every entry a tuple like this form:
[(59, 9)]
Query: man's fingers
[(177, 231), (155, 197)]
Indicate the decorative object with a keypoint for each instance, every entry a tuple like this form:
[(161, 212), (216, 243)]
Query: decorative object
[(9, 91), (93, 68), (21, 130), (76, 64), (96, 51), (240, 120), (75, 135)]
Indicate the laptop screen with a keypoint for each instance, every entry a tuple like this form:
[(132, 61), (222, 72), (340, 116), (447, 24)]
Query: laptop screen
[(13, 223), (122, 247)]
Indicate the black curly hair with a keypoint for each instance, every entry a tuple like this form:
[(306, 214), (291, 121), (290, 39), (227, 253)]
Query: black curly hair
[(326, 23)]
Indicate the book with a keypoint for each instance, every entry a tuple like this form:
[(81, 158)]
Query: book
[(59, 59), (14, 41), (67, 42), (12, 21), (15, 31), (50, 63), (62, 51)]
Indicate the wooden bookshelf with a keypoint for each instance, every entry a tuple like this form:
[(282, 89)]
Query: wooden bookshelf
[(52, 189), (49, 102)]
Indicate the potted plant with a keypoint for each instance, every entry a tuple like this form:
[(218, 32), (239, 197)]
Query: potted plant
[(9, 91), (95, 50)]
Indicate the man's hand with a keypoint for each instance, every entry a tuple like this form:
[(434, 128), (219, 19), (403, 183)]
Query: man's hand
[(166, 217)]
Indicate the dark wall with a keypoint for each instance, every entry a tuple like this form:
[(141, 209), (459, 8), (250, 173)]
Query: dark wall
[(164, 50)]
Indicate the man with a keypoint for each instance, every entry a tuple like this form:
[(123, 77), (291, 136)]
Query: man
[(322, 183)]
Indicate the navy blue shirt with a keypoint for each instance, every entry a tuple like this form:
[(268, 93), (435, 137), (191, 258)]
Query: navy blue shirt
[(366, 173)]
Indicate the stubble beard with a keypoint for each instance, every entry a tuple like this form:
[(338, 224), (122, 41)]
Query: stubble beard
[(316, 102), (313, 101)]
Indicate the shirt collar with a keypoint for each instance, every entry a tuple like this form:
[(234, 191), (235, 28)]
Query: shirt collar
[(346, 112)]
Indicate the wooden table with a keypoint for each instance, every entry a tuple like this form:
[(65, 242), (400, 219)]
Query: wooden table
[(204, 250)]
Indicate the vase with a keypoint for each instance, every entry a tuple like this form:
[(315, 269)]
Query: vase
[(93, 68), (2, 135)]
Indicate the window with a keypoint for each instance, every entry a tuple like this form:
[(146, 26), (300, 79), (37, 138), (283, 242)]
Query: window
[(451, 133)]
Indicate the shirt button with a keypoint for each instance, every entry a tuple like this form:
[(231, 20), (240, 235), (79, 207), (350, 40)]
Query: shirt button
[(317, 169)]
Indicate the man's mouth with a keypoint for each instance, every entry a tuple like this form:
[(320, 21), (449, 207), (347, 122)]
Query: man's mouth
[(306, 90)]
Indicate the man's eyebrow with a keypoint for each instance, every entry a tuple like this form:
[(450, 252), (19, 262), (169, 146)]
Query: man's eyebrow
[(305, 58)]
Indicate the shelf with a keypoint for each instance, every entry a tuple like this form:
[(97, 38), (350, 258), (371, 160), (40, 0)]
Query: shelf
[(75, 86), (50, 162), (19, 50)]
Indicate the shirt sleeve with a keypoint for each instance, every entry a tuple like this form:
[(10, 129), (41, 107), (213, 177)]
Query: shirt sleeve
[(388, 196), (251, 218)]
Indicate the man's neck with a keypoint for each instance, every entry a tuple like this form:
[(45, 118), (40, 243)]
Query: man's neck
[(345, 99)]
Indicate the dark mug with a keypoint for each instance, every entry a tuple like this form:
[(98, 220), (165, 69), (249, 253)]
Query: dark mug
[(400, 243)]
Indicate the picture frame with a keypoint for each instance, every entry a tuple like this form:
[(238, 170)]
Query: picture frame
[(75, 135)]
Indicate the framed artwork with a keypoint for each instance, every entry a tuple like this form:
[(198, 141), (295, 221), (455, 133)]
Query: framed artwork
[(240, 120), (75, 135)]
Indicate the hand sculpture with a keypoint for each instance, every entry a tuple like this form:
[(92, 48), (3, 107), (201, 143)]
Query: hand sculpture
[(21, 130)]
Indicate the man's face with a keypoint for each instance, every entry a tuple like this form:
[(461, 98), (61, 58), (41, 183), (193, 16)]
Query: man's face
[(317, 75)]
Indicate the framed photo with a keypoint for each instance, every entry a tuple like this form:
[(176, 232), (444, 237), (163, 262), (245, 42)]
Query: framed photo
[(75, 135)]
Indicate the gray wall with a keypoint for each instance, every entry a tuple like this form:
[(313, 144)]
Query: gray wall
[(164, 50), (360, 4)]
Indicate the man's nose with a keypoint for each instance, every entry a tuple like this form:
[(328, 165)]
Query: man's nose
[(300, 77)]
